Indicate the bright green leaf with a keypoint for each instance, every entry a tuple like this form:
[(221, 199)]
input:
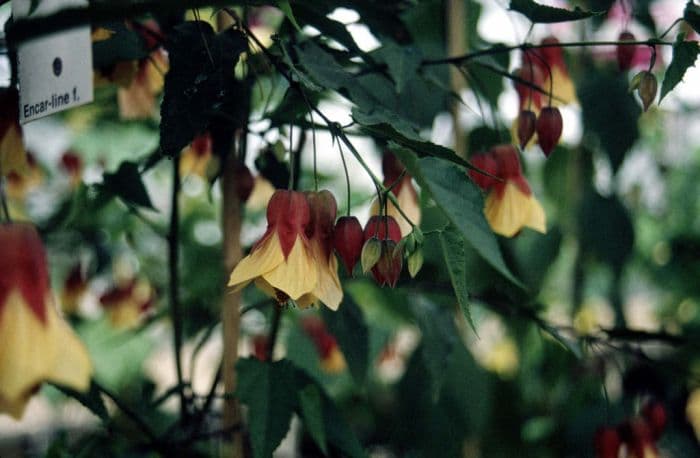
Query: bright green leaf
[(287, 10), (546, 14), (452, 244), (312, 414), (270, 392), (348, 326), (684, 55), (126, 184)]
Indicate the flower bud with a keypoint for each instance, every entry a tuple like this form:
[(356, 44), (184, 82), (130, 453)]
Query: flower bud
[(415, 263), (388, 268), (371, 252), (647, 88), (244, 182), (347, 241), (607, 443), (655, 415), (625, 53), (549, 127), (636, 433), (526, 126)]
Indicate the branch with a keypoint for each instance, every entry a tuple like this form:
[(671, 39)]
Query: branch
[(26, 29)]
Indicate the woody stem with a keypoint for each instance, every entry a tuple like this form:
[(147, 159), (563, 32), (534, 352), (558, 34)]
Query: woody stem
[(175, 309)]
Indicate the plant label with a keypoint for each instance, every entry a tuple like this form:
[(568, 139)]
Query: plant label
[(55, 70)]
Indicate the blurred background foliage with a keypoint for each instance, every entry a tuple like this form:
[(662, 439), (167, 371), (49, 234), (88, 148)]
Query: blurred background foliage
[(603, 315)]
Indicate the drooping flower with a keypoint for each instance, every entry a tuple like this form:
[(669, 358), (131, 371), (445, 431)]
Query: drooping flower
[(404, 191), (281, 262), (20, 183), (320, 234), (607, 443), (12, 153), (72, 164), (138, 99), (37, 345), (74, 289), (637, 436), (332, 359), (126, 304), (551, 63), (385, 231), (195, 157), (510, 204)]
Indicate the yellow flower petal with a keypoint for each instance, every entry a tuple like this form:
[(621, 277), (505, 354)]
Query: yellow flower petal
[(296, 276), (14, 408), (334, 363), (328, 289), (562, 88), (33, 352), (514, 210), (261, 260), (13, 157)]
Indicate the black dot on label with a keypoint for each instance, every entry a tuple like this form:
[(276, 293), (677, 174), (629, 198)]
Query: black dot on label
[(57, 66)]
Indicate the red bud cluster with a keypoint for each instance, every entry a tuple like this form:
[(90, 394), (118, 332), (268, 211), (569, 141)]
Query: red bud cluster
[(384, 233), (526, 126), (637, 434)]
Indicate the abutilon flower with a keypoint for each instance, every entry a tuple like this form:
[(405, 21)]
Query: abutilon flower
[(137, 100), (195, 157), (385, 229), (332, 359), (72, 164), (510, 204), (126, 304), (74, 288), (637, 436), (12, 153), (20, 183), (36, 344), (607, 443), (552, 66), (404, 191), (320, 234), (281, 263)]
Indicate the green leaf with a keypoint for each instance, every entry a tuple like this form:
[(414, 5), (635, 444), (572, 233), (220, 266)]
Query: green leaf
[(287, 10), (312, 414), (691, 15), (606, 229), (126, 184), (452, 244), (403, 62), (123, 44), (200, 82), (92, 400), (439, 338), (461, 201), (270, 392), (684, 55), (33, 5), (348, 326), (613, 123), (392, 127), (546, 14)]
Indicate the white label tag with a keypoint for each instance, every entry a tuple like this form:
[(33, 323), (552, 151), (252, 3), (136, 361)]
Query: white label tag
[(55, 71)]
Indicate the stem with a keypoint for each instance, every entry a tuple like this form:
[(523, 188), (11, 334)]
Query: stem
[(175, 309), (670, 27), (347, 174), (292, 159), (525, 46), (133, 416), (274, 330), (3, 200)]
